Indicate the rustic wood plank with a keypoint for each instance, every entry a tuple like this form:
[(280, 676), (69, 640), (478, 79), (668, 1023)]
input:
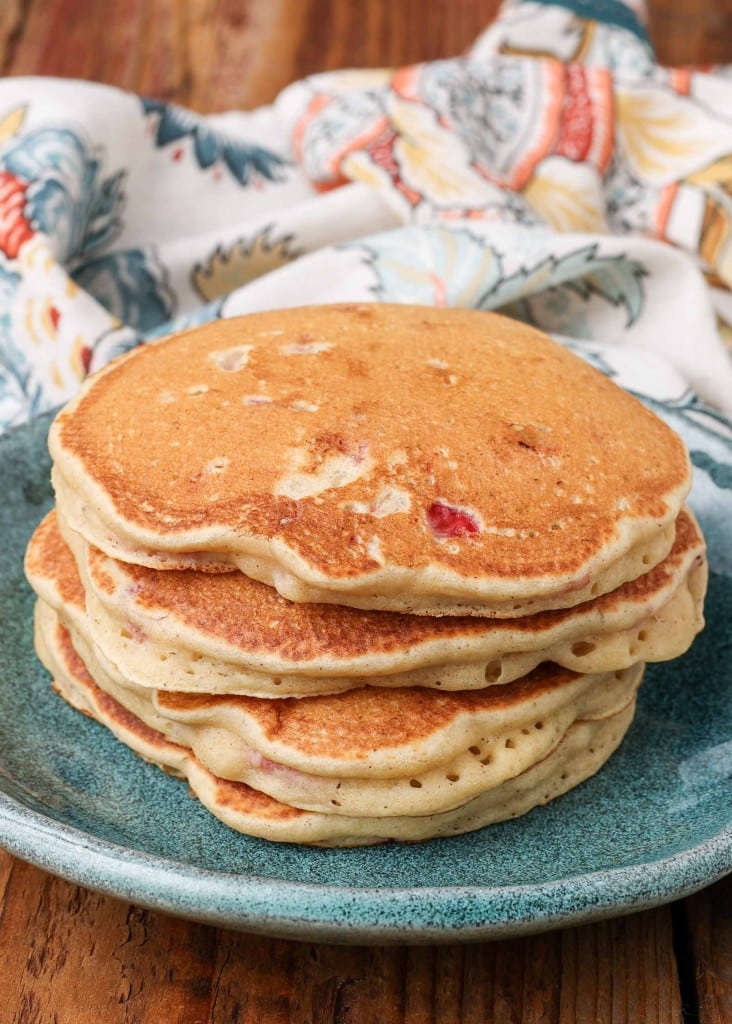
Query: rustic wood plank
[(267, 979), (621, 970), (86, 957), (12, 17), (251, 51), (691, 33), (253, 980), (223, 54), (135, 45), (283, 982), (219, 54), (614, 972), (6, 867), (709, 917), (70, 955)]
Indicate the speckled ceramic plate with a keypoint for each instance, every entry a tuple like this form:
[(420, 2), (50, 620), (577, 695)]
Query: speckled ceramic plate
[(654, 824)]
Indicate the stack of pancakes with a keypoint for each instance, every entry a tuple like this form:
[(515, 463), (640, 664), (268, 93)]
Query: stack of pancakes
[(364, 572)]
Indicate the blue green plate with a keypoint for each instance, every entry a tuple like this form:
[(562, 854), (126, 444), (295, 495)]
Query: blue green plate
[(654, 824)]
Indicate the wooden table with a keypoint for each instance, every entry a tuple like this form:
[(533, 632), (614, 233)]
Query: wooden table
[(70, 956)]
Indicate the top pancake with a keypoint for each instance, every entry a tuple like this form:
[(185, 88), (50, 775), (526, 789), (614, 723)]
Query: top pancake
[(393, 457)]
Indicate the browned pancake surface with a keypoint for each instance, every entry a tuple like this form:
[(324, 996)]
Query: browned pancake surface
[(254, 618), (359, 722), (48, 558), (154, 744), (506, 455)]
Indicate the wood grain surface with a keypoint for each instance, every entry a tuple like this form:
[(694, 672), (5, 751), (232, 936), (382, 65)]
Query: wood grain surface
[(218, 54), (70, 956)]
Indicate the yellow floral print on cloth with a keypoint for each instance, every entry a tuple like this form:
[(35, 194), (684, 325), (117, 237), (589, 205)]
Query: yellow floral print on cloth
[(555, 172)]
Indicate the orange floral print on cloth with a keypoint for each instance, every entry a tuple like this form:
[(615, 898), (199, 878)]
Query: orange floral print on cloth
[(450, 138), (15, 229), (614, 144), (554, 171)]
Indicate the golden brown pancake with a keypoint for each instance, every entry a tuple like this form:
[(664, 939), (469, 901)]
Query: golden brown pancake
[(225, 633), (366, 752), (373, 753), (583, 749), (387, 457)]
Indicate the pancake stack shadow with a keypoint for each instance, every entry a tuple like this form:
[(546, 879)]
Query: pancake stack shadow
[(364, 572)]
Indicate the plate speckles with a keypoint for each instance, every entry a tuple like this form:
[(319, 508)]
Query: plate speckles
[(77, 803)]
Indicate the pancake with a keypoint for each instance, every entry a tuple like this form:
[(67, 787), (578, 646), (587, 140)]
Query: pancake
[(583, 749), (225, 633), (398, 458), (372, 753)]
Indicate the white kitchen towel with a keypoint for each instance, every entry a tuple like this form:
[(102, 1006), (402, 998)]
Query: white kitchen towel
[(555, 172)]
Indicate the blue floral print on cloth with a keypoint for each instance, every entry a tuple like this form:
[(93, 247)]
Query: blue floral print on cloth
[(554, 172)]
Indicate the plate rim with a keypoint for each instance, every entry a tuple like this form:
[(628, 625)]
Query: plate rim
[(240, 900), (309, 911)]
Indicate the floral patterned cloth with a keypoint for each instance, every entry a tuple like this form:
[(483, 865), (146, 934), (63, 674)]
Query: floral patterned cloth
[(555, 172)]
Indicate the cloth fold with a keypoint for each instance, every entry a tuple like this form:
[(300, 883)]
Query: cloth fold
[(554, 172)]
